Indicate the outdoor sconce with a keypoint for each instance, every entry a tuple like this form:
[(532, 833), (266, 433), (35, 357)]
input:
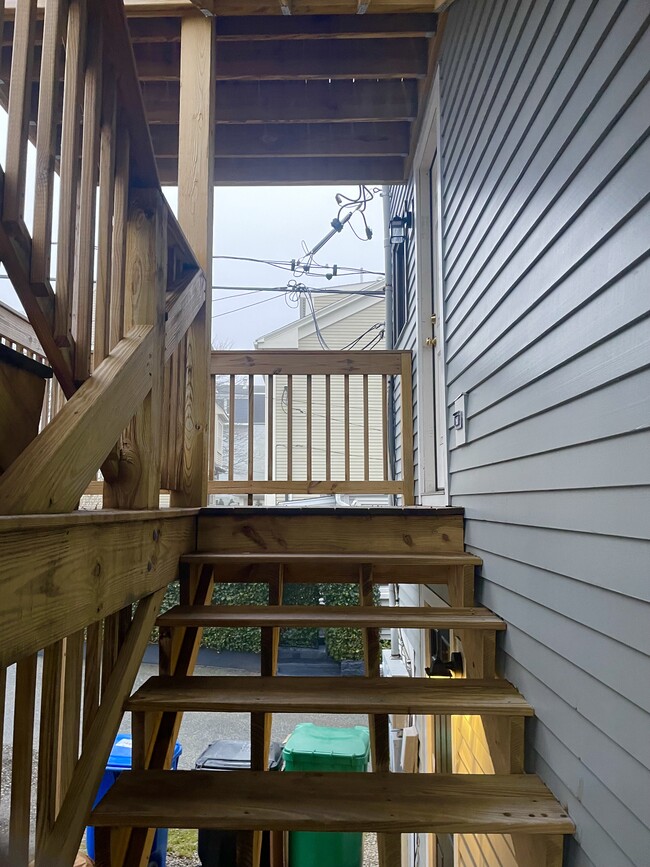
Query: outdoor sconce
[(398, 227), (446, 667)]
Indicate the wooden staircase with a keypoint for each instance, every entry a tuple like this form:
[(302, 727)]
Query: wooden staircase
[(414, 546)]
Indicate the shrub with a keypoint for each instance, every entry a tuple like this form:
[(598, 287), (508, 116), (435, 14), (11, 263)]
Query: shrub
[(344, 643)]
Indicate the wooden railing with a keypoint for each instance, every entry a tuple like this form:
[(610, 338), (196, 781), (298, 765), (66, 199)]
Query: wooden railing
[(113, 292), (294, 422)]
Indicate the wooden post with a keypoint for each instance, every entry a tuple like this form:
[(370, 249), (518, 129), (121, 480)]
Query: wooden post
[(388, 845), (195, 215), (138, 480), (408, 483)]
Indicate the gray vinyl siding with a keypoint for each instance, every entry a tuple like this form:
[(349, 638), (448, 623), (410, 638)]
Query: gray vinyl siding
[(546, 227), (402, 203)]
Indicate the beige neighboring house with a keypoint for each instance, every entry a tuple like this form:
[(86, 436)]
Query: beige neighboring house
[(345, 322)]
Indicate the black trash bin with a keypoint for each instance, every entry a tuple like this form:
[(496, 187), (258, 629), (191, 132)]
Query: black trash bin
[(219, 848)]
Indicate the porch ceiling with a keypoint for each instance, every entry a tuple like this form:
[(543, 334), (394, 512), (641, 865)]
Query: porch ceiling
[(301, 98)]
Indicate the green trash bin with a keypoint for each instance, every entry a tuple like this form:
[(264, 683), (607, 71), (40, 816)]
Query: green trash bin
[(322, 748)]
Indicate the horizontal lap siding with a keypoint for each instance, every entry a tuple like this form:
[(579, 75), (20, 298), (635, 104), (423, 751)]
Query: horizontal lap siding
[(546, 221)]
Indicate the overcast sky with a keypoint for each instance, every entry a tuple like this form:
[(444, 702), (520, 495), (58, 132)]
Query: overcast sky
[(258, 223), (272, 223)]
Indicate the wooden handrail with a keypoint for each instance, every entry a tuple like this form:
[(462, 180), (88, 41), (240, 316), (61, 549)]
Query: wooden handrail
[(112, 323), (325, 420)]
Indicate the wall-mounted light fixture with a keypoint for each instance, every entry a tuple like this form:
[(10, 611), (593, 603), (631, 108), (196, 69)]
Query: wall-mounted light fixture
[(446, 667), (399, 226), (444, 661)]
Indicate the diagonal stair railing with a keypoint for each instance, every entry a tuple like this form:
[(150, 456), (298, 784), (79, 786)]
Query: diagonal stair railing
[(111, 288)]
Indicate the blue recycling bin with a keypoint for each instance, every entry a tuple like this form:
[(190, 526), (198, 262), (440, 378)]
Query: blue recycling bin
[(118, 761)]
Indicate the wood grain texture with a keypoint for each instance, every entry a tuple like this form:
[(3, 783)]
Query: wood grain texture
[(329, 616), (195, 216), (59, 578), (22, 758), (138, 472), (53, 472), (425, 532), (409, 803), (62, 844), (54, 27), (287, 361), (69, 170), (22, 63), (330, 695)]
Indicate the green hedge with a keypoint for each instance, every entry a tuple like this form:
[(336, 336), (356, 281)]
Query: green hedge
[(248, 640), (340, 643), (344, 643)]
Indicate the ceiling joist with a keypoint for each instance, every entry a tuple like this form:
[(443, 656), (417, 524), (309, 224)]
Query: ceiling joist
[(296, 140), (293, 101), (232, 171), (325, 59)]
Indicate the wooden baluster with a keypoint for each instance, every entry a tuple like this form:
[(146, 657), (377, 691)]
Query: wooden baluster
[(309, 428), (20, 93), (120, 210), (87, 198), (105, 230), (71, 716), (46, 128), (72, 88), (366, 431), (407, 430), (176, 418), (384, 426), (92, 674), (289, 428), (251, 432), (22, 758), (48, 787), (346, 424), (328, 427), (270, 420), (165, 459), (213, 426), (231, 429)]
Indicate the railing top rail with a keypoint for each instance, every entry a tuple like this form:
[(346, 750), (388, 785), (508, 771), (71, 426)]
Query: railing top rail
[(299, 361)]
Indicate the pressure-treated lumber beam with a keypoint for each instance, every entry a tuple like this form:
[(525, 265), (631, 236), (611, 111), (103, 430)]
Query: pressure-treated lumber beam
[(292, 101), (282, 140), (231, 171), (256, 28), (54, 470), (181, 308), (299, 531), (308, 59), (177, 8), (61, 572), (144, 306), (195, 215)]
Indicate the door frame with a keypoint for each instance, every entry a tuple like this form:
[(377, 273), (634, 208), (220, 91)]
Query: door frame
[(429, 285)]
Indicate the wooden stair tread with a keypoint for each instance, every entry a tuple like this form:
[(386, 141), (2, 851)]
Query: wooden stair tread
[(294, 801), (362, 617), (329, 695), (459, 558)]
